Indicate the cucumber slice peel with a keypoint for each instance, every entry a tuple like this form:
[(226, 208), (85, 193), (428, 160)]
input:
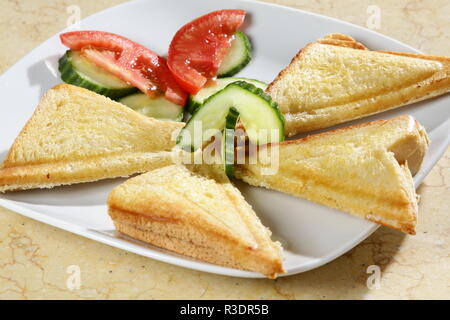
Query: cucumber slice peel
[(239, 55), (158, 107), (78, 71), (259, 114), (228, 142), (197, 100)]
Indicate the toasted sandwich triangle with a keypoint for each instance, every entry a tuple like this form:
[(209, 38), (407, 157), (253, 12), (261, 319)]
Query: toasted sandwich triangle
[(76, 135), (197, 213), (336, 79), (364, 170)]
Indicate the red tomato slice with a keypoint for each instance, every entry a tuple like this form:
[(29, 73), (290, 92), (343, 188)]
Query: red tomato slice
[(198, 48), (128, 60)]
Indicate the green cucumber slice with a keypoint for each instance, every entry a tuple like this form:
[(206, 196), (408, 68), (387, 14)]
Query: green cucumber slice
[(259, 114), (196, 100), (238, 56), (77, 70), (159, 107), (228, 142)]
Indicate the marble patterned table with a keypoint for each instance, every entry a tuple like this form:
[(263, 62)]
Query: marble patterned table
[(34, 257)]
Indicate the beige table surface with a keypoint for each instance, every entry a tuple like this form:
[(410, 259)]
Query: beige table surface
[(34, 257)]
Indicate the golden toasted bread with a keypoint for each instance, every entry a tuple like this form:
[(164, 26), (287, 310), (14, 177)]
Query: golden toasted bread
[(336, 79), (363, 169), (76, 135), (197, 213)]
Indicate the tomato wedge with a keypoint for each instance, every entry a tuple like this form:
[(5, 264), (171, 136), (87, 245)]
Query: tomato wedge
[(198, 48), (129, 61)]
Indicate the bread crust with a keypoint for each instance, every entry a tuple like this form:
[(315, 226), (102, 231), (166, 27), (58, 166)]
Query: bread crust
[(341, 40), (193, 241)]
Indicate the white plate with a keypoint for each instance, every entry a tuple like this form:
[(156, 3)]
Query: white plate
[(314, 234)]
